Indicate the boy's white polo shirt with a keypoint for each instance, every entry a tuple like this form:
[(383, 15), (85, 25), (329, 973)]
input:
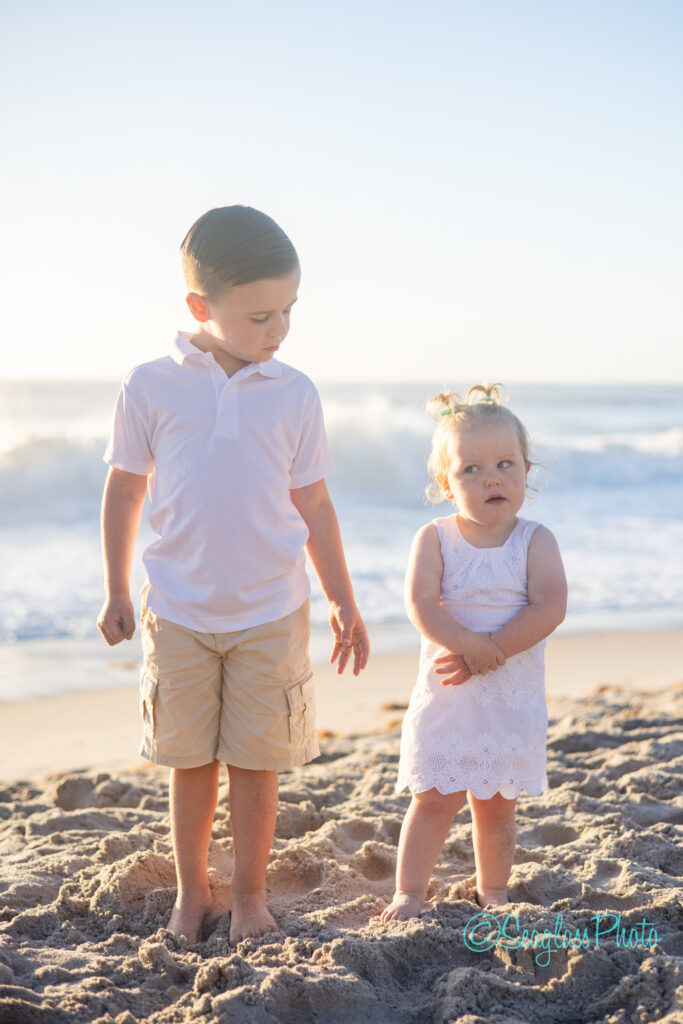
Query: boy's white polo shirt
[(222, 454)]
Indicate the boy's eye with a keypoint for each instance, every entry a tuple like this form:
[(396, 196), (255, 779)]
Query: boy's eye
[(263, 319), (471, 469), (504, 463)]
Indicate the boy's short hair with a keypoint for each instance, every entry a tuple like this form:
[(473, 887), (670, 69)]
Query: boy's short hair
[(233, 245)]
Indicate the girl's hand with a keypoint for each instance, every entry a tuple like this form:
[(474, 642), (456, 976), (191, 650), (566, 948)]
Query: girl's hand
[(350, 635), (453, 666), (481, 654)]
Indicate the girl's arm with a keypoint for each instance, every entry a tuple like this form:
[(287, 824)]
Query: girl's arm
[(425, 611), (324, 548), (124, 496), (547, 590)]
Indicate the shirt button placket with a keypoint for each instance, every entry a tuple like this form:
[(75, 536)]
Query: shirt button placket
[(227, 411)]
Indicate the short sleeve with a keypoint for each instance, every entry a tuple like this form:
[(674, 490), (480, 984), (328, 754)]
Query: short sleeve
[(128, 446), (312, 461)]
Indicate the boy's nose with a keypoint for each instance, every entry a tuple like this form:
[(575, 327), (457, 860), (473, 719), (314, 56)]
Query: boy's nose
[(278, 328)]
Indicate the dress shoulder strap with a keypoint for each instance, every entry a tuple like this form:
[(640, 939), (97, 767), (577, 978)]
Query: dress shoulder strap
[(456, 553), (448, 531), (523, 532)]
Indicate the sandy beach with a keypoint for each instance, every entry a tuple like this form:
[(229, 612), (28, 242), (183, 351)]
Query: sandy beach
[(593, 933)]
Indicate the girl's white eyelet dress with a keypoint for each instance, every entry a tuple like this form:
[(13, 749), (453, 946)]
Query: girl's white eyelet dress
[(487, 735)]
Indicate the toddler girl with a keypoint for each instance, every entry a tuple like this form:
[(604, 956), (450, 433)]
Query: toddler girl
[(484, 587)]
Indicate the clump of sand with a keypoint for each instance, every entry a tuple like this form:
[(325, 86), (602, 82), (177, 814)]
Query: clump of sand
[(88, 884)]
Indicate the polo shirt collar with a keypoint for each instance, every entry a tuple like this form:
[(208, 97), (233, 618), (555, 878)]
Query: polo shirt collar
[(182, 349)]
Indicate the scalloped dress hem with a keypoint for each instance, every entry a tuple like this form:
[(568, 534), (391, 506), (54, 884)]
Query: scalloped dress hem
[(534, 788)]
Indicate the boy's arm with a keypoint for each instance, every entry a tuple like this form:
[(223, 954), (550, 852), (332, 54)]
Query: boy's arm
[(324, 548), (427, 614), (124, 497), (547, 590)]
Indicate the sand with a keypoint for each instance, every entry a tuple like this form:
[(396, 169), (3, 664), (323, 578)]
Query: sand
[(87, 879)]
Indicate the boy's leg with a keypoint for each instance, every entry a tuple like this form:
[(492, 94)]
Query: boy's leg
[(181, 705), (423, 834), (494, 838), (268, 722), (253, 810), (193, 795)]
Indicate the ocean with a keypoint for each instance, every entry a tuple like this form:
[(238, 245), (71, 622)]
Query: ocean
[(610, 486)]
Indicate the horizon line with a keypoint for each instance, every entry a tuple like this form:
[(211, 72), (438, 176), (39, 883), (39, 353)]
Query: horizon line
[(426, 379)]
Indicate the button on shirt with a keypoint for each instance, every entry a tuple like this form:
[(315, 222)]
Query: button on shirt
[(221, 454)]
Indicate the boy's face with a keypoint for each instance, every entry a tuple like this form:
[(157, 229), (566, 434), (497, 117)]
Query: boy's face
[(247, 323)]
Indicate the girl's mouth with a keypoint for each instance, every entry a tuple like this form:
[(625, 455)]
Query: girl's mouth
[(496, 499)]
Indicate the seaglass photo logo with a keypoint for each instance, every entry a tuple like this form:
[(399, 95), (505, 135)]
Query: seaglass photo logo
[(484, 931)]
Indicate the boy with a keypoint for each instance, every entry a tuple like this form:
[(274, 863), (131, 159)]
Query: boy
[(232, 446)]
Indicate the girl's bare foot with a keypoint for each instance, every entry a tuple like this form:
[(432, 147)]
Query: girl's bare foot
[(187, 916), (403, 906), (250, 918), (492, 898)]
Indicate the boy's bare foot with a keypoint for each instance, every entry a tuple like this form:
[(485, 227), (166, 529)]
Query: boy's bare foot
[(403, 906), (187, 917), (492, 898), (250, 918)]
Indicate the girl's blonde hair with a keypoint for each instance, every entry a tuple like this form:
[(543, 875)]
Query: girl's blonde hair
[(454, 414)]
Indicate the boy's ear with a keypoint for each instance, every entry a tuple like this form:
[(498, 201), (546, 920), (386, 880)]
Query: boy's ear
[(197, 306)]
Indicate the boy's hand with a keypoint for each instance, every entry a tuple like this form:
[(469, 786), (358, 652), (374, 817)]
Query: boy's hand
[(454, 667), (350, 635), (481, 654), (116, 621)]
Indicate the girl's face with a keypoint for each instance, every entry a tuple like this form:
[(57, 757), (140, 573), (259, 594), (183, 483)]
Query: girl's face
[(487, 475), (247, 323)]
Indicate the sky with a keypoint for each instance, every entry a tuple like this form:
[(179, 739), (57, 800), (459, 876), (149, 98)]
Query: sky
[(479, 190)]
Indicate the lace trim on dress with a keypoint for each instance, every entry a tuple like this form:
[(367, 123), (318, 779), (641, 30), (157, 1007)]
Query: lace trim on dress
[(484, 765)]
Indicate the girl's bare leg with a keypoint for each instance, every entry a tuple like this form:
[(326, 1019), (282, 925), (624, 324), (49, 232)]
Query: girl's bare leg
[(423, 834), (253, 810), (494, 836), (193, 795)]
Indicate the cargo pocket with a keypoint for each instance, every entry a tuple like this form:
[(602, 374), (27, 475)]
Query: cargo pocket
[(149, 684), (301, 701)]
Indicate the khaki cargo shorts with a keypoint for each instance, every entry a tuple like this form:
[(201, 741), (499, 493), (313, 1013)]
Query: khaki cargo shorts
[(245, 698)]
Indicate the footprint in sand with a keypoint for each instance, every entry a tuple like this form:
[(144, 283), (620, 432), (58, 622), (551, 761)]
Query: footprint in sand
[(375, 861), (552, 833), (296, 819), (294, 871)]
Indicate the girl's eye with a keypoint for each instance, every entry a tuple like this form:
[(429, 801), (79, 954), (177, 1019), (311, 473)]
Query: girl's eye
[(504, 463), (471, 469)]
